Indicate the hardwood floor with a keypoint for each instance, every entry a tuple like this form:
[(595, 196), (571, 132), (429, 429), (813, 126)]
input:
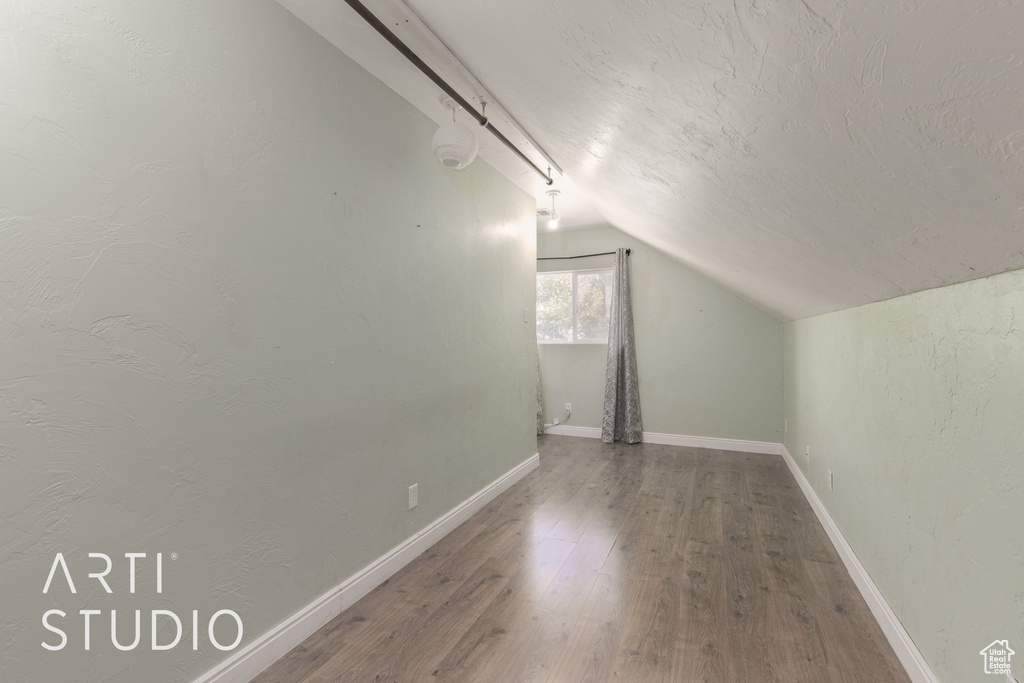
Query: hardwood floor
[(617, 563)]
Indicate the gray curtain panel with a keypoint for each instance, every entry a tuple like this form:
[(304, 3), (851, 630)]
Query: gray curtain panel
[(621, 390), (540, 401)]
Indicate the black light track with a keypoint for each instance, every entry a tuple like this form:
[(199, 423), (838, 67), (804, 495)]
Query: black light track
[(379, 26)]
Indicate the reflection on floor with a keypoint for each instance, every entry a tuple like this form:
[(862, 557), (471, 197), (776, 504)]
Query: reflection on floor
[(617, 563)]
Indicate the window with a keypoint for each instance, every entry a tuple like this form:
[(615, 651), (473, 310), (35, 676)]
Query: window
[(573, 307)]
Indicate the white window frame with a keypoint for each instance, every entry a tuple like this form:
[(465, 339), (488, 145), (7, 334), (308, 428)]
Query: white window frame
[(575, 315)]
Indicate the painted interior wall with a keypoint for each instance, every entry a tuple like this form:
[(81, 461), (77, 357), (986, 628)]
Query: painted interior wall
[(243, 307), (914, 404), (710, 364)]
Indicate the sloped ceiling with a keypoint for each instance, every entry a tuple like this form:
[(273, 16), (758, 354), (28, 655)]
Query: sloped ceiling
[(809, 156)]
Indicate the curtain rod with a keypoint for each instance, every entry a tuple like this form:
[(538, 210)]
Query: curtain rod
[(379, 26), (560, 258)]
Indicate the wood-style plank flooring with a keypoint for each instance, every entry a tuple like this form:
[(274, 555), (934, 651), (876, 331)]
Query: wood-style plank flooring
[(617, 563)]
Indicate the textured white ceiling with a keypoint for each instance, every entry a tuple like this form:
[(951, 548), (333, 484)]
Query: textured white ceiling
[(807, 155)]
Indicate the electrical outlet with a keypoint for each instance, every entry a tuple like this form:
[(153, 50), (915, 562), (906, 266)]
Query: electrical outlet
[(414, 496), (785, 426), (830, 480), (568, 407), (556, 420), (526, 315), (807, 452)]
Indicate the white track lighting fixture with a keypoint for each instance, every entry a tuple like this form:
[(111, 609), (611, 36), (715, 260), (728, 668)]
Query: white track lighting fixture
[(454, 144), (555, 216)]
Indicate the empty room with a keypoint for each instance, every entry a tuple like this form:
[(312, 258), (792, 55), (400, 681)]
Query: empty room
[(423, 340)]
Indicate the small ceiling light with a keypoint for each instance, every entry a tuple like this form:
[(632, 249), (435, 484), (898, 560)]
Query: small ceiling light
[(454, 144), (555, 216)]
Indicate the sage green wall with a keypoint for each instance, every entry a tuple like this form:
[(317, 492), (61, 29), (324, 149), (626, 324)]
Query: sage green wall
[(243, 308), (710, 364), (915, 405)]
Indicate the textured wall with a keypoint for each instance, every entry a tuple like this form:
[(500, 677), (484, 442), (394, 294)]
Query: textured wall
[(710, 364), (242, 309), (914, 404)]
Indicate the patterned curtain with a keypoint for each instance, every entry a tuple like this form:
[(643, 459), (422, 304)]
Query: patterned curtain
[(621, 390), (540, 402)]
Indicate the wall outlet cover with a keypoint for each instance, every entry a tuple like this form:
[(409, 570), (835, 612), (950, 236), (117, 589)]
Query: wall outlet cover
[(414, 496)]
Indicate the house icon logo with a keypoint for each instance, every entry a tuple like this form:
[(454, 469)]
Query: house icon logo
[(997, 657)]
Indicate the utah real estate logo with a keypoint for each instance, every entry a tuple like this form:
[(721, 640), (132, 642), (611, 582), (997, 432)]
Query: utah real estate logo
[(997, 657)]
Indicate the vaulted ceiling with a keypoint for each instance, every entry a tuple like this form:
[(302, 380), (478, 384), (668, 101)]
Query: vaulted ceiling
[(808, 155)]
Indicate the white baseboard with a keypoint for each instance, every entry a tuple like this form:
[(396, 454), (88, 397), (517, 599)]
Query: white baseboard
[(257, 656), (716, 443), (766, 447), (567, 430), (902, 644)]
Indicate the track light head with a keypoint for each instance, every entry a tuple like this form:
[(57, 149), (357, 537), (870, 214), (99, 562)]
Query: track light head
[(555, 216), (454, 144)]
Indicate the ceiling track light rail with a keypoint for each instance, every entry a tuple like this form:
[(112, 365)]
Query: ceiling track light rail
[(388, 35), (482, 91)]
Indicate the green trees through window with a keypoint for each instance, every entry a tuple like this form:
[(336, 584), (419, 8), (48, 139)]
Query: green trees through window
[(573, 306)]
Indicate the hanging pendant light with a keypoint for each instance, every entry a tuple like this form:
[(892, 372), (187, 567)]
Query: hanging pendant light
[(455, 144), (554, 215)]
